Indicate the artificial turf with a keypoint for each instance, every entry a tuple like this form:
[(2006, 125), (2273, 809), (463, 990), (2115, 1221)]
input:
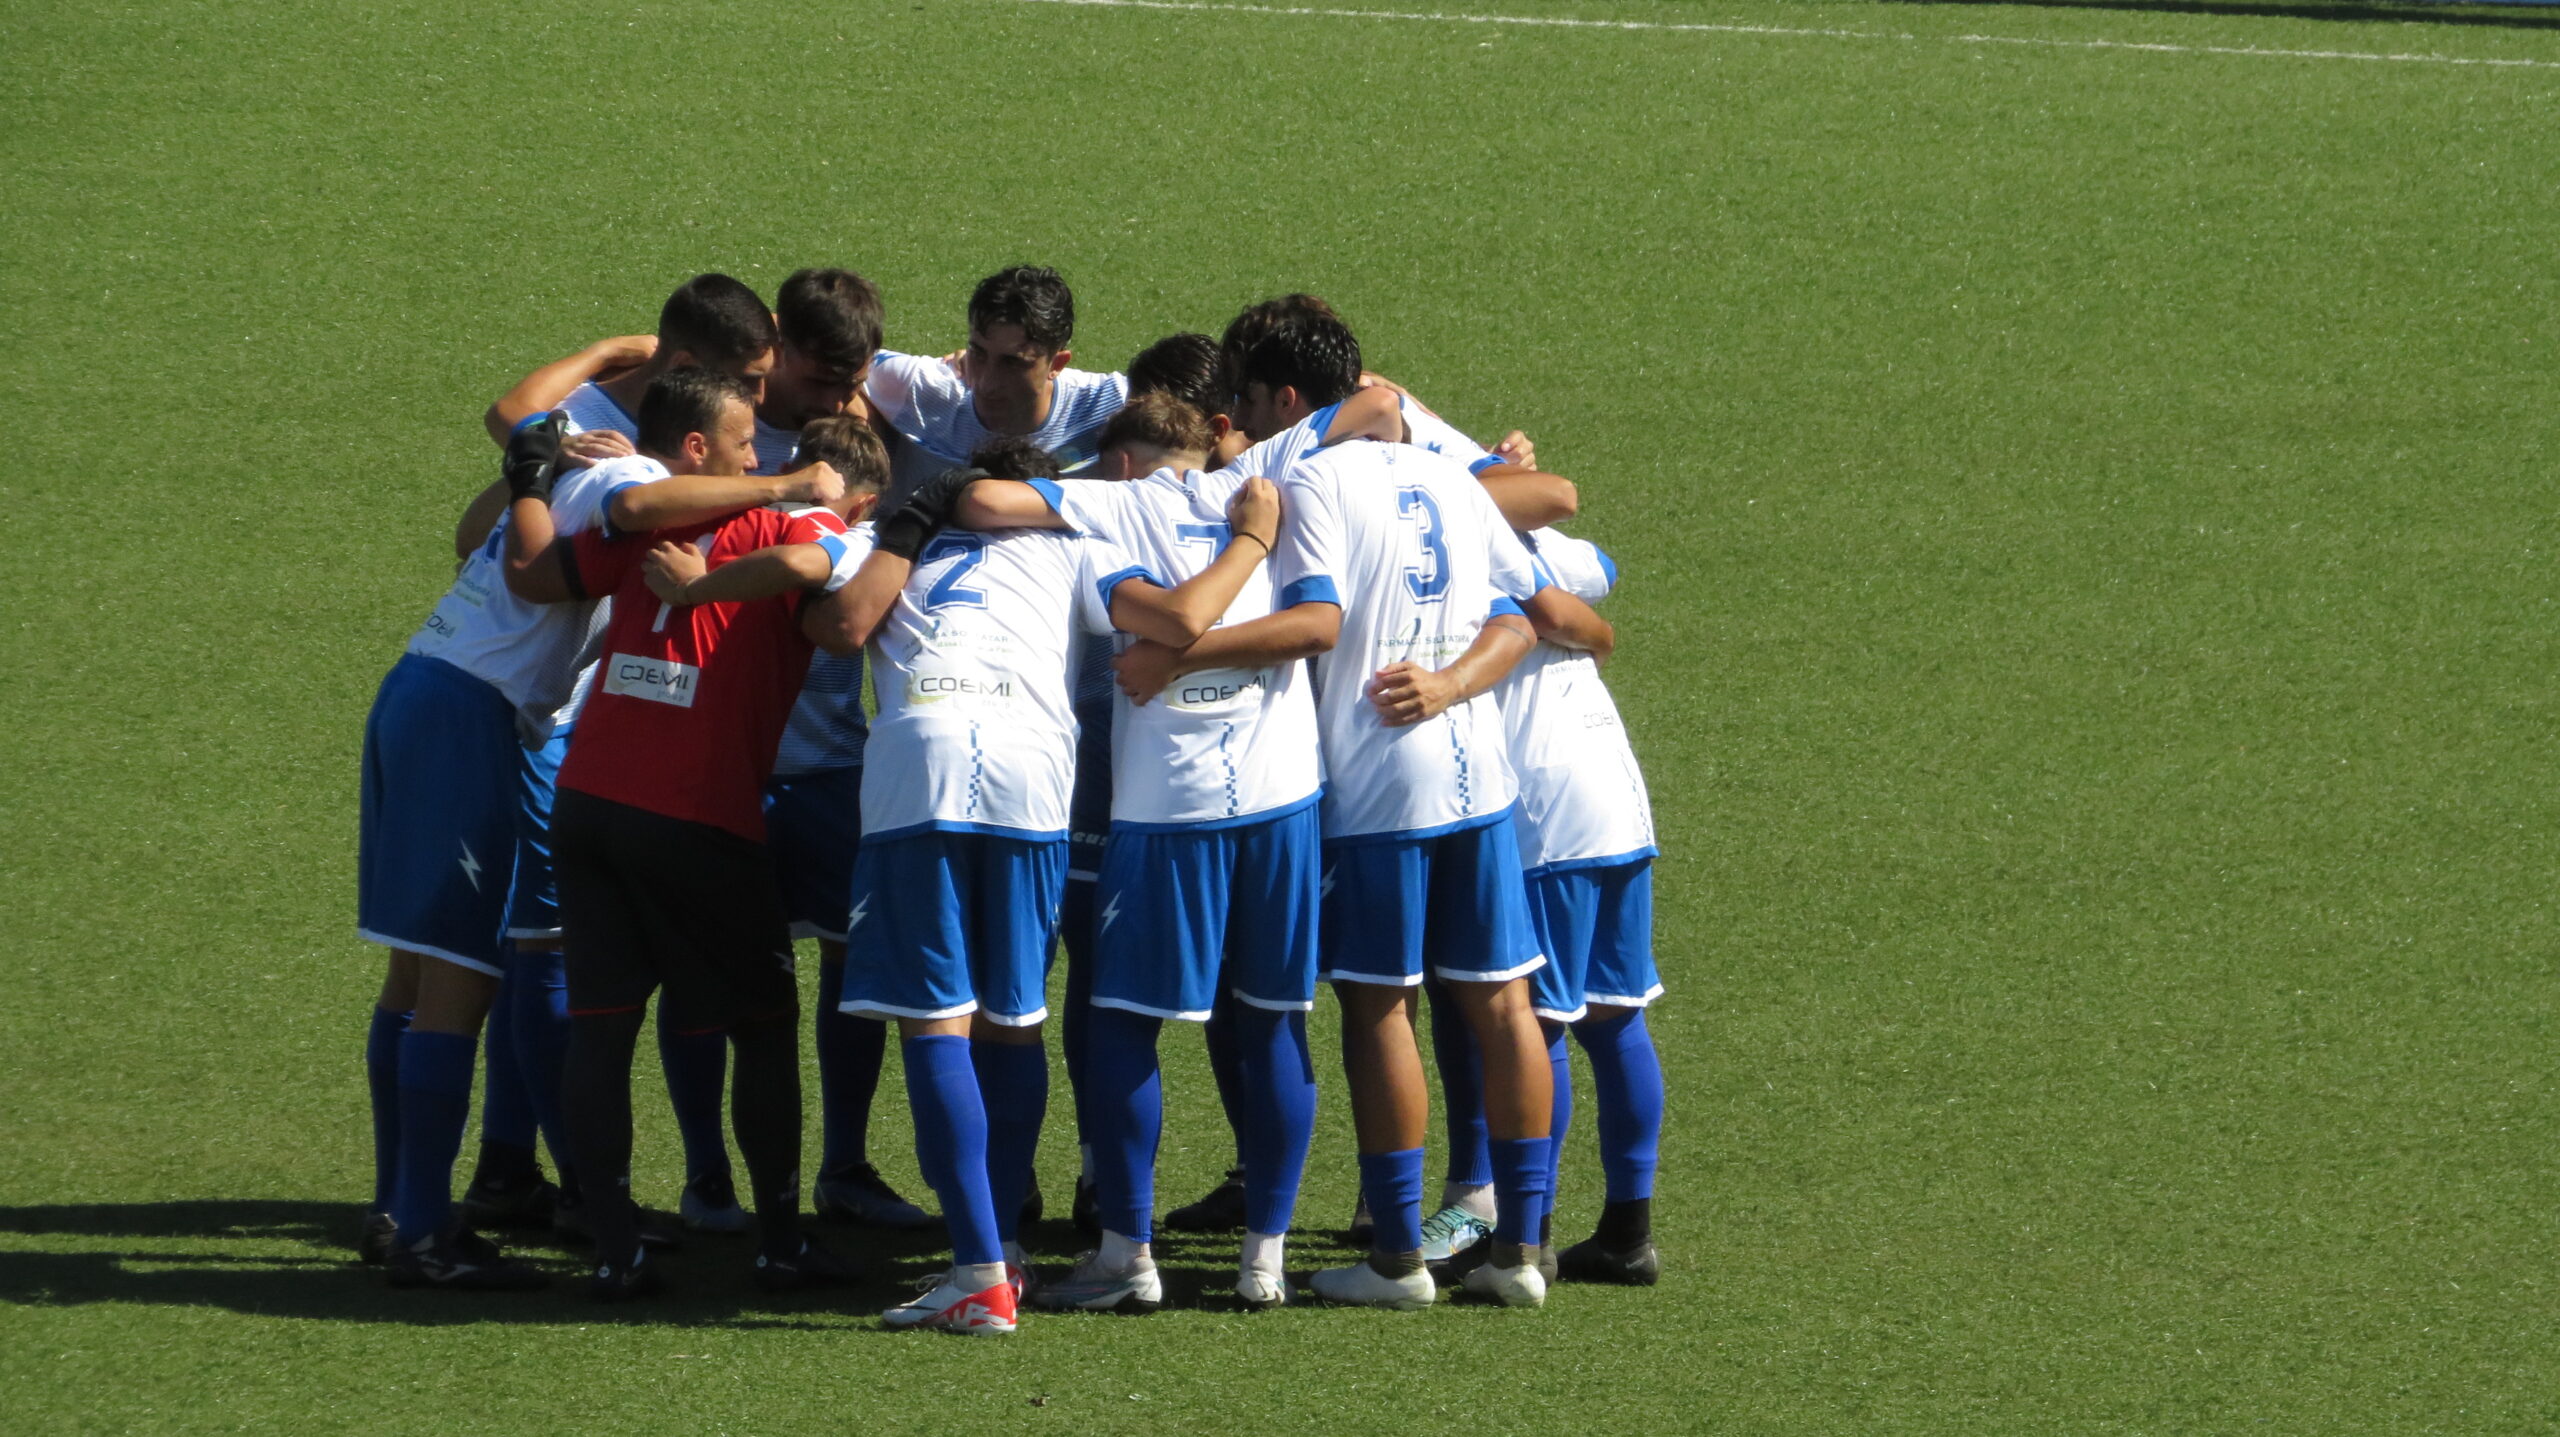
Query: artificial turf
[(2088, 621)]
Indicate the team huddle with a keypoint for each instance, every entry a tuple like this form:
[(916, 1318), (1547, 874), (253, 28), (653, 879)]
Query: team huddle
[(1230, 674)]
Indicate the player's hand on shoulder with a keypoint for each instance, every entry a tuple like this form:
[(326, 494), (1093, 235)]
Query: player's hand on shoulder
[(1255, 510), (622, 353), (817, 484), (1409, 693), (1144, 668), (594, 446), (669, 567), (1515, 448)]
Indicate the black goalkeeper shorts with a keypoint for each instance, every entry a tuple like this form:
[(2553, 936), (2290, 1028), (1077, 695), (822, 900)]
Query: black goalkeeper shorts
[(649, 902)]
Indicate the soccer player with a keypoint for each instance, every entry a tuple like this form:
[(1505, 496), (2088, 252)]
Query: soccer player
[(1210, 862), (1398, 573), (659, 826), (715, 322), (1587, 845), (1013, 381)]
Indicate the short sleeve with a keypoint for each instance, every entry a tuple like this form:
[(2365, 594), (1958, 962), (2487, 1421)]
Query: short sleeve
[(846, 549), (1102, 566), (904, 387), (579, 498), (1438, 435), (1511, 568), (1095, 508), (1576, 566), (1307, 569)]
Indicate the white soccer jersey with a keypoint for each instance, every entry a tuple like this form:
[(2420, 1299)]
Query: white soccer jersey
[(1271, 458), (1582, 797), (1219, 747), (532, 653), (588, 407), (924, 400), (774, 448), (976, 732), (1411, 547)]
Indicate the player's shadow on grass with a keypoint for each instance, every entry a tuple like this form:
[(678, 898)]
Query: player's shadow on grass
[(295, 1259), (2423, 14)]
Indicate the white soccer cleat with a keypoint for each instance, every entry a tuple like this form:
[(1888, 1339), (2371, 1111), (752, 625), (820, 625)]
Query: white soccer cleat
[(987, 1313), (1091, 1287), (1261, 1290), (1361, 1285), (1521, 1286), (711, 1205)]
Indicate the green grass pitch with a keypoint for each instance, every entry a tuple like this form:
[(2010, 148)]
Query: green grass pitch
[(2089, 623)]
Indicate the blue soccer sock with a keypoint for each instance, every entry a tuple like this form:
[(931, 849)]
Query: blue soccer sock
[(1014, 1077), (1226, 1053), (1559, 1119), (382, 1080), (850, 1053), (537, 997), (1276, 1082), (506, 1102), (697, 1066), (1520, 1188), (951, 1143), (1453, 1051), (1626, 1082), (1392, 1182), (1124, 1099), (435, 1106)]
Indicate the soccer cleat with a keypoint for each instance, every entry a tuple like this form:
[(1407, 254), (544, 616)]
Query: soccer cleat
[(569, 1224), (524, 1202), (1361, 1285), (1221, 1209), (711, 1204), (375, 1242), (1450, 1231), (1588, 1261), (1019, 1273), (990, 1313), (1364, 1228), (456, 1263), (1261, 1291), (812, 1266), (1519, 1286), (856, 1193), (635, 1279), (1087, 1209), (1091, 1288)]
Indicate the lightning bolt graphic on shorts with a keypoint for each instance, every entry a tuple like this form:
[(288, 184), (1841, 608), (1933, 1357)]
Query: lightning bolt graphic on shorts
[(471, 867), (1110, 913), (855, 921), (1325, 889)]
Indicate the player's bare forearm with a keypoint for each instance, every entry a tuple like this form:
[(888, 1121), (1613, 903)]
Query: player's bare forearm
[(1498, 648), (543, 577), (701, 498), (1300, 631), (478, 518), (1375, 413), (842, 622), (1529, 498), (763, 574), (1179, 616), (1560, 618), (1004, 504), (1408, 693), (546, 387)]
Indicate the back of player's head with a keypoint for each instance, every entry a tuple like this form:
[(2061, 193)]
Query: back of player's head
[(848, 444), (831, 315), (1014, 458), (1257, 319), (717, 320), (687, 401), (1032, 296), (1189, 367), (1311, 353), (1158, 422)]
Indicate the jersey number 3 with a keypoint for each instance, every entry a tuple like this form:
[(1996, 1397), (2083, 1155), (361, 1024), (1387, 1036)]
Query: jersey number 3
[(1427, 580)]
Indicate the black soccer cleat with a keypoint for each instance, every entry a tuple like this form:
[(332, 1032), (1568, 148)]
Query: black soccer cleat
[(1588, 1261), (812, 1266), (856, 1193), (510, 1203), (1221, 1209), (379, 1235), (569, 1224), (633, 1280), (460, 1262)]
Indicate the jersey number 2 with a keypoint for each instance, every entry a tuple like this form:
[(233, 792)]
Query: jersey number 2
[(948, 591), (1428, 580)]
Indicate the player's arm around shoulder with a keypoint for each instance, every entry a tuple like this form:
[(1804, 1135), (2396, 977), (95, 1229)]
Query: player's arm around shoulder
[(1406, 693), (1178, 617)]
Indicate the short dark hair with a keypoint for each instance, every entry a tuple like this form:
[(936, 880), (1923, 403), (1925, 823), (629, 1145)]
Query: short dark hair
[(1014, 458), (1189, 367), (1032, 296), (849, 445), (1313, 353), (1257, 319), (716, 319), (687, 401), (832, 315), (1159, 421)]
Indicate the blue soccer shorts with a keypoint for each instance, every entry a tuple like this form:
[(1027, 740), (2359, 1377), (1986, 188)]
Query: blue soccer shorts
[(437, 824), (813, 824), (1178, 911), (1597, 927), (948, 924), (1453, 901), (533, 907)]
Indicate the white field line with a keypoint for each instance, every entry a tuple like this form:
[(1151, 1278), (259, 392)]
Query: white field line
[(1555, 22)]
